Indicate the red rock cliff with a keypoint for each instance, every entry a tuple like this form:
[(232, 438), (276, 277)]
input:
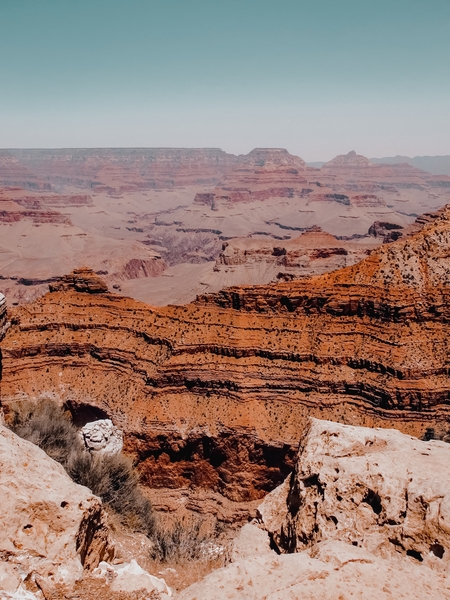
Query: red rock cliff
[(227, 381)]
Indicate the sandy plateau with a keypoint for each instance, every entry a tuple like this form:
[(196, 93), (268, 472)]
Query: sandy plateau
[(161, 224)]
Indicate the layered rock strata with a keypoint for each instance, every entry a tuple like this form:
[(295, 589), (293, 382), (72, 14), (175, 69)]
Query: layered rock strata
[(262, 174), (125, 169), (215, 393), (266, 260)]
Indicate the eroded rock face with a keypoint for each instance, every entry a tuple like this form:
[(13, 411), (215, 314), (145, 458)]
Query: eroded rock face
[(3, 316), (365, 515), (49, 526), (216, 393), (102, 436), (373, 488), (264, 260), (82, 280)]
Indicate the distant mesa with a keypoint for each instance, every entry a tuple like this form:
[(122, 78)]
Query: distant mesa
[(348, 160), (437, 165)]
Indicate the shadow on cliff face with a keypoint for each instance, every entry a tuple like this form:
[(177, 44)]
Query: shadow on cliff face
[(85, 413), (239, 466)]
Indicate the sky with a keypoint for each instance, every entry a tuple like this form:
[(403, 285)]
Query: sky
[(318, 77)]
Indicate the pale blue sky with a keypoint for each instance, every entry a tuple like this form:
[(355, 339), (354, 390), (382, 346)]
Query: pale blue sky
[(319, 78)]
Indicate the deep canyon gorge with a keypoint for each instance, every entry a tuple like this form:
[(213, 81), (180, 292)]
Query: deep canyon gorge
[(215, 393), (282, 293)]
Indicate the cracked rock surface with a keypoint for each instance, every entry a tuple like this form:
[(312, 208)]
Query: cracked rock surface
[(365, 515)]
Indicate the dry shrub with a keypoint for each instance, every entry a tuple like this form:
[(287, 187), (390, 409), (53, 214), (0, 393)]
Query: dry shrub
[(186, 540), (111, 477)]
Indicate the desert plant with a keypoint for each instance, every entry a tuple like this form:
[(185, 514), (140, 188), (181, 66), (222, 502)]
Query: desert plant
[(187, 540), (111, 477)]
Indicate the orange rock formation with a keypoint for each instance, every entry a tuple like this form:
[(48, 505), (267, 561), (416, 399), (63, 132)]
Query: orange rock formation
[(215, 392)]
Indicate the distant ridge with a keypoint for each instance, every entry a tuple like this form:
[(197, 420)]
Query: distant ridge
[(438, 165)]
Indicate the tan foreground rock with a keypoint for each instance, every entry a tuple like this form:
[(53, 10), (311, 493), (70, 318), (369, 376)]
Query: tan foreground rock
[(338, 571), (374, 488), (365, 515), (49, 526)]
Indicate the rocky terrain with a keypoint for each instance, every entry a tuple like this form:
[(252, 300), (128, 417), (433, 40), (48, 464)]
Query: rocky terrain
[(214, 394), (153, 222), (364, 515), (54, 535), (212, 397)]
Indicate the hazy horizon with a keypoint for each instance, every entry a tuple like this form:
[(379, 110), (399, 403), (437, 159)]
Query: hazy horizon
[(318, 79)]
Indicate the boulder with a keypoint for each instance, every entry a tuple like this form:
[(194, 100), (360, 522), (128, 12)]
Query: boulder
[(364, 515), (130, 577), (102, 436), (374, 488), (49, 526)]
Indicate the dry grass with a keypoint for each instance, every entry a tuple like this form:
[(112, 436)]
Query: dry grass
[(187, 539), (186, 550), (111, 477), (182, 551)]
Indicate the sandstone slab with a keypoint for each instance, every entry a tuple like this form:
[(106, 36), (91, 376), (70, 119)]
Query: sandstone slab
[(49, 525), (374, 488), (337, 571)]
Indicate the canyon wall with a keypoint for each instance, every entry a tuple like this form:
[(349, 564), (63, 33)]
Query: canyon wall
[(153, 220), (125, 169), (215, 393)]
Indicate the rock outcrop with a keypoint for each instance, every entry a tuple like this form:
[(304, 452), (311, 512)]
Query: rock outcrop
[(49, 526), (365, 515), (102, 436), (262, 174), (3, 317), (81, 280), (256, 260), (373, 488)]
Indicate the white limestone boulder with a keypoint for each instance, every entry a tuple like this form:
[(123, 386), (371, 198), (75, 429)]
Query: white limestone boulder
[(102, 436), (130, 577)]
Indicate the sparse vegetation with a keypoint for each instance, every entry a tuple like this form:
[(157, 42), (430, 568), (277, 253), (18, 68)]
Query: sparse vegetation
[(111, 477), (114, 479), (432, 434), (188, 539)]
